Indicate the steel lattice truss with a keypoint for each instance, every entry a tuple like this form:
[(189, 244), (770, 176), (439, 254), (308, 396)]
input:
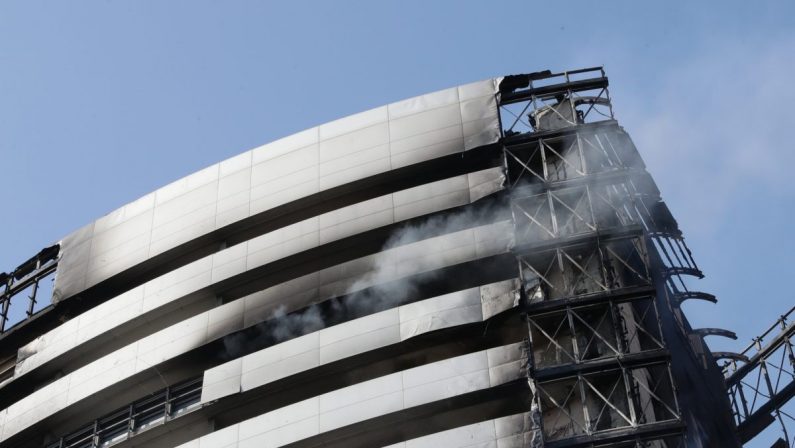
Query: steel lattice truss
[(586, 214), (761, 382)]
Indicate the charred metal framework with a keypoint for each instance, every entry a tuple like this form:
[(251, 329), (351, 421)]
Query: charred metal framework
[(538, 304), (156, 409), (585, 215), (761, 382), (21, 287)]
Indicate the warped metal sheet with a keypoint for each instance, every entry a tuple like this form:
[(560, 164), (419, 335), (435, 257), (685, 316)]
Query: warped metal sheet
[(351, 148), (239, 258), (362, 401), (351, 338), (197, 331)]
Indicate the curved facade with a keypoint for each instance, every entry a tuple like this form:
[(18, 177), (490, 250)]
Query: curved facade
[(423, 273)]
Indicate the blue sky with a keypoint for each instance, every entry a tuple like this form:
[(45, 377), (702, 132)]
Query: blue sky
[(104, 101)]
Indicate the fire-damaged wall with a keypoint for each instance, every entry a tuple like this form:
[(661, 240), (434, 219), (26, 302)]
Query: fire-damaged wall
[(488, 264)]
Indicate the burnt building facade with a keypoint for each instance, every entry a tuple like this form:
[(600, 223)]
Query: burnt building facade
[(487, 265)]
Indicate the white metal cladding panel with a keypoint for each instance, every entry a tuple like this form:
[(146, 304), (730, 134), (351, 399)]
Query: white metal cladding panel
[(370, 399), (505, 432), (302, 164), (237, 259), (198, 330), (356, 336)]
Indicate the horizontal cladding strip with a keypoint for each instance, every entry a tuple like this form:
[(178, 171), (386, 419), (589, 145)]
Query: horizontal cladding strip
[(399, 179), (156, 294), (374, 398), (513, 431), (140, 356), (320, 158), (502, 329), (357, 336)]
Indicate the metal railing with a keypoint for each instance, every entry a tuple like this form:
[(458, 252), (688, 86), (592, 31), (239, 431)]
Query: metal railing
[(29, 281), (139, 416), (761, 381)]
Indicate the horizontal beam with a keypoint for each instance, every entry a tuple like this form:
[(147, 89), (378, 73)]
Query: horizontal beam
[(632, 360), (399, 179), (553, 89), (762, 418), (619, 295), (753, 361)]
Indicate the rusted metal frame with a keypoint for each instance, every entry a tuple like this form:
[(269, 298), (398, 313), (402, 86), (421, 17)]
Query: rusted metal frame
[(596, 334), (674, 413), (647, 213), (685, 250), (630, 401), (643, 433), (583, 241), (744, 401), (5, 303), (583, 272), (677, 248), (624, 295), (780, 371), (32, 298), (624, 217), (553, 217), (682, 260), (553, 337), (563, 159), (583, 162), (599, 148), (605, 404), (560, 407), (784, 333), (606, 136), (646, 332), (606, 400), (612, 162), (544, 279), (518, 117), (574, 209), (623, 262), (737, 399), (583, 401), (14, 288), (533, 219), (553, 89), (580, 272), (573, 334), (585, 115), (752, 426), (635, 360), (622, 373), (525, 167), (662, 249), (674, 390)]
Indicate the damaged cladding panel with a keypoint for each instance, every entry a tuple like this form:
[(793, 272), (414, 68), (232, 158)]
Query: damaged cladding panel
[(487, 265)]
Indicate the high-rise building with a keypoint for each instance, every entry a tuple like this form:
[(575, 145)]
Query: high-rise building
[(487, 265)]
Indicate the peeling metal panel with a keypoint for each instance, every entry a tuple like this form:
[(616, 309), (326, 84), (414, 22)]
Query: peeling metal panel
[(196, 331), (360, 402), (361, 145), (504, 432), (354, 337), (237, 259)]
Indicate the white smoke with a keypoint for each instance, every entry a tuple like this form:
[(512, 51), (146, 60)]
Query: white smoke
[(383, 286)]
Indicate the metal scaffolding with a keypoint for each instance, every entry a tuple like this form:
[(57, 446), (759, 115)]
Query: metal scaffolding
[(586, 216), (761, 382)]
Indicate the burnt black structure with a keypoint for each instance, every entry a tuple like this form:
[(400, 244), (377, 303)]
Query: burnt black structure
[(510, 275)]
